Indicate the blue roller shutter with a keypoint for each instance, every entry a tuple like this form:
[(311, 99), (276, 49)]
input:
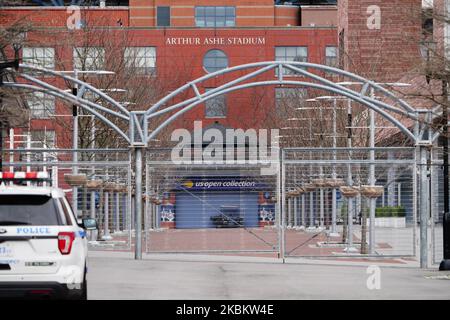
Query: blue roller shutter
[(194, 210)]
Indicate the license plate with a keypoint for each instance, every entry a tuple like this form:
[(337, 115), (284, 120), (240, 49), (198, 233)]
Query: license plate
[(6, 251)]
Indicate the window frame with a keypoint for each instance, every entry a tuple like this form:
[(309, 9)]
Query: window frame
[(157, 16), (84, 66), (303, 93), (133, 65), (213, 100), (286, 57), (335, 57), (33, 57), (47, 113), (206, 16), (215, 64), (44, 132)]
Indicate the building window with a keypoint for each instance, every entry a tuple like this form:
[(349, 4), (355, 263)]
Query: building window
[(39, 57), (215, 16), (43, 139), (331, 56), (41, 105), (163, 16), (290, 98), (216, 107), (298, 54), (89, 58), (141, 60), (215, 60)]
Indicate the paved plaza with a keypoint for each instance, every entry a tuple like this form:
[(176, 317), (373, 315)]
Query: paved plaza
[(114, 275)]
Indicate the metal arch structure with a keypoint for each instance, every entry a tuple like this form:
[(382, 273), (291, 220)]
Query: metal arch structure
[(388, 107), (391, 108), (138, 136), (38, 85)]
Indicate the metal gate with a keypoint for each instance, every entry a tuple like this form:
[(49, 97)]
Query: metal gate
[(210, 207), (106, 195), (327, 196)]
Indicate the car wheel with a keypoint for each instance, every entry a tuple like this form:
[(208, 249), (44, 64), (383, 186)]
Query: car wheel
[(83, 295)]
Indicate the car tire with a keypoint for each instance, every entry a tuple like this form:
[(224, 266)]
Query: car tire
[(83, 295)]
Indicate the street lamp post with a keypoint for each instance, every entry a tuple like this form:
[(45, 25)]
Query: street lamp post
[(75, 73)]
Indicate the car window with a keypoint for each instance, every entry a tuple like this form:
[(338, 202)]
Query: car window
[(37, 210), (66, 211)]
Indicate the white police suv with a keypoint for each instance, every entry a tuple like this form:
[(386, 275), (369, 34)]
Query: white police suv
[(43, 247)]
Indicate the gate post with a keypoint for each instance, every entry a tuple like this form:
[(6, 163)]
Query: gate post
[(424, 208), (281, 198), (138, 203)]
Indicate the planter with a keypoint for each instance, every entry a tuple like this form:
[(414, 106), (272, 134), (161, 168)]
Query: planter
[(334, 183), (389, 222), (300, 190), (372, 191), (94, 184), (319, 183), (120, 188), (75, 180), (349, 192), (155, 201), (309, 187), (109, 186)]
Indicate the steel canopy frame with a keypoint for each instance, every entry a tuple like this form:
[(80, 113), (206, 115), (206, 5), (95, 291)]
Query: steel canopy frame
[(138, 135), (381, 107)]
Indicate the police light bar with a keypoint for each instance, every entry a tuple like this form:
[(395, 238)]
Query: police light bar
[(20, 175)]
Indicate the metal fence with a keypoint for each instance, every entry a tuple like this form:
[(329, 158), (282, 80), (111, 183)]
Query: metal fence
[(210, 207), (107, 195), (321, 219), (436, 178), (224, 208)]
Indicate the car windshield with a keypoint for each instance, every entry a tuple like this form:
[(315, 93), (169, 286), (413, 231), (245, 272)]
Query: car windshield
[(37, 210)]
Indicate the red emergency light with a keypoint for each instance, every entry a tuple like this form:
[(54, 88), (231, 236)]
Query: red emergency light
[(20, 175)]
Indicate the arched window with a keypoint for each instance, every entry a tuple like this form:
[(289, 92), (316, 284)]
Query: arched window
[(215, 60)]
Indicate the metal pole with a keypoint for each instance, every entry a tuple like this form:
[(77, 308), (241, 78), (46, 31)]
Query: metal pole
[(311, 210), (296, 211), (322, 208), (117, 211), (321, 194), (350, 247), (93, 233), (75, 144), (106, 235), (423, 208), (283, 206), (289, 218), (303, 211), (138, 203), (445, 264), (371, 181), (333, 191), (93, 213)]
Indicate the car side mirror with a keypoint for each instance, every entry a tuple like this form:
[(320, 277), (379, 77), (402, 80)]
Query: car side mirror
[(89, 224)]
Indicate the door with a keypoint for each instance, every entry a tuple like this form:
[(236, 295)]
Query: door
[(194, 210)]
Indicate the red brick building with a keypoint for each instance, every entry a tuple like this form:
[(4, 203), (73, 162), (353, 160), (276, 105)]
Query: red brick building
[(178, 41)]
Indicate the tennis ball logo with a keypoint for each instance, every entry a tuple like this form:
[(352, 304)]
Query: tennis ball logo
[(188, 184)]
